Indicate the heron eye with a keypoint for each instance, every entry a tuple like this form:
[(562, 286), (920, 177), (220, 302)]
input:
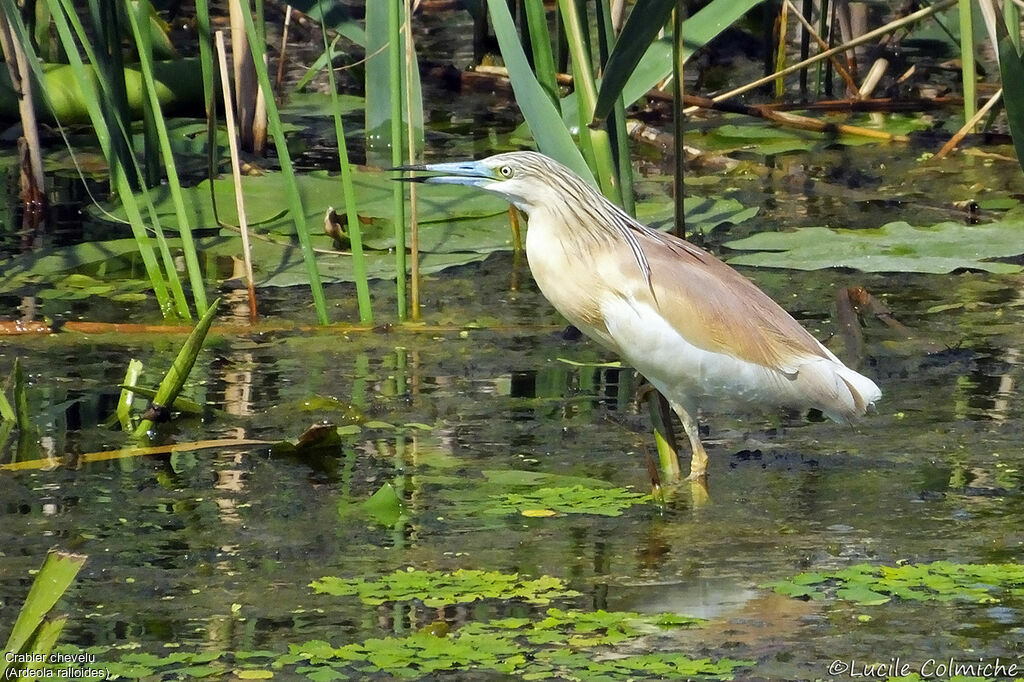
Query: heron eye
[(506, 171)]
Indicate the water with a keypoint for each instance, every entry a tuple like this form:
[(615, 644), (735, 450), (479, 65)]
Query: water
[(213, 549)]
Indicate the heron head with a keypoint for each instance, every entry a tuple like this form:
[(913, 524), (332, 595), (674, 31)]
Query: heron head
[(525, 179)]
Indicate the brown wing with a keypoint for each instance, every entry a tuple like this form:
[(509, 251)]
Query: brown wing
[(717, 308)]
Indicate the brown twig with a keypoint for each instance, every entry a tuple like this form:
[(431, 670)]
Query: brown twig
[(125, 330), (789, 120), (968, 127)]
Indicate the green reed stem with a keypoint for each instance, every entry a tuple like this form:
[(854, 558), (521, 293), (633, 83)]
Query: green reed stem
[(195, 273), (594, 142), (294, 198), (355, 233), (184, 361), (119, 179), (398, 190), (616, 123), (540, 43), (967, 68), (111, 90)]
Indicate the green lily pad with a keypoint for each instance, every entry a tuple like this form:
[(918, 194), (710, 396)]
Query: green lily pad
[(436, 588), (274, 264), (703, 214), (562, 645), (266, 212), (576, 499), (894, 247), (869, 585)]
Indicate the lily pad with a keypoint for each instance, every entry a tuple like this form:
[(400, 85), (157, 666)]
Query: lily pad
[(265, 206), (436, 588), (869, 585), (562, 645), (894, 247), (576, 499), (703, 214)]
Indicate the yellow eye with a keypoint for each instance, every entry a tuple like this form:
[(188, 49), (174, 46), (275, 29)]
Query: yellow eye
[(506, 171)]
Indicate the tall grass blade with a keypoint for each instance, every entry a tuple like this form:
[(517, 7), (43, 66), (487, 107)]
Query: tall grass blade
[(33, 186), (119, 167), (1011, 15), (1011, 68), (195, 275), (58, 571), (118, 178), (967, 68), (640, 30), (22, 418), (678, 193), (176, 376), (355, 230), (378, 96), (410, 77), (124, 402), (206, 58), (7, 413), (287, 172), (541, 115), (106, 59), (144, 47), (395, 11), (540, 44), (593, 141), (616, 124)]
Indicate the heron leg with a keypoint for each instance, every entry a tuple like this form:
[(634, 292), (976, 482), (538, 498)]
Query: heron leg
[(699, 460)]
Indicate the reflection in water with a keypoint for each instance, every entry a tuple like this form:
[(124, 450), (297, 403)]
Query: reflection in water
[(177, 541)]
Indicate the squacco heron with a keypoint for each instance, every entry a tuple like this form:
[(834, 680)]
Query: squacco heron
[(700, 332)]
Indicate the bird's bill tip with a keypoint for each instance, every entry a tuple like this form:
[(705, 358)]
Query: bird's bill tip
[(454, 173)]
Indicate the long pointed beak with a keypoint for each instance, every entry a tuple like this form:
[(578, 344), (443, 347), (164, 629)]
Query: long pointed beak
[(458, 173)]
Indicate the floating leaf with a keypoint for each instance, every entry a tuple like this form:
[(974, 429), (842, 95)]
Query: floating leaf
[(319, 191), (518, 477), (385, 506), (869, 585), (436, 588), (576, 499), (703, 214), (894, 247)]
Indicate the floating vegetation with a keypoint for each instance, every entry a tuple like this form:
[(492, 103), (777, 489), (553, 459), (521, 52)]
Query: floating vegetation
[(893, 247), (564, 645), (548, 649), (559, 643), (576, 499), (437, 588), (869, 585)]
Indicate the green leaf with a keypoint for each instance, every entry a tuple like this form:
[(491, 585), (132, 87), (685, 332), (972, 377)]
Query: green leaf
[(54, 578), (385, 506), (176, 376), (516, 477), (1011, 70), (543, 118), (894, 247), (861, 595), (645, 21), (938, 581), (573, 500), (436, 588)]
